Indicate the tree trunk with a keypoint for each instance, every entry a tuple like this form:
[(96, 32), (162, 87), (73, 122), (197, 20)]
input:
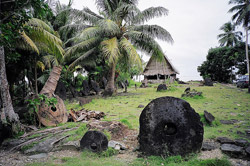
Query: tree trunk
[(48, 115), (35, 68), (110, 88), (50, 85), (247, 58), (7, 114)]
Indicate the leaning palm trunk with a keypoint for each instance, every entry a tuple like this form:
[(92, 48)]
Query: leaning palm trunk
[(247, 58), (110, 88), (50, 85), (52, 115), (7, 114)]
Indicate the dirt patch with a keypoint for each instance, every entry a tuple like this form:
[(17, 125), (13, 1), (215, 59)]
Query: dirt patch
[(216, 153), (117, 129)]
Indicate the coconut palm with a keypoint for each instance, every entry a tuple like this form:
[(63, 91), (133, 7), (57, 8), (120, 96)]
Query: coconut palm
[(229, 37), (241, 16), (41, 38), (118, 32)]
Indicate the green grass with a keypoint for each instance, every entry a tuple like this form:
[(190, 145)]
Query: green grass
[(221, 101), (78, 133), (89, 158), (178, 160)]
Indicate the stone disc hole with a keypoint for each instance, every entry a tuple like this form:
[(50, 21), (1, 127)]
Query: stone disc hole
[(93, 146), (53, 109), (170, 129)]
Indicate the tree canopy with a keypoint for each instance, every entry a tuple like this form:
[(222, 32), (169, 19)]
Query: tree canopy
[(221, 61)]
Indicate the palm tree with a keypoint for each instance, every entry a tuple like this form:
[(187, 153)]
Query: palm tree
[(242, 16), (229, 37), (41, 38), (116, 34)]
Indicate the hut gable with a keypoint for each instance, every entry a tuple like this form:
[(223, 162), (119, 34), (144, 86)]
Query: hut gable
[(155, 67)]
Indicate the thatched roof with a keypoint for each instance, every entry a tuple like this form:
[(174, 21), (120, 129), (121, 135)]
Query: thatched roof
[(155, 67)]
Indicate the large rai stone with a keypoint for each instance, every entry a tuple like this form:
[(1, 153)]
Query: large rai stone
[(94, 141), (170, 126)]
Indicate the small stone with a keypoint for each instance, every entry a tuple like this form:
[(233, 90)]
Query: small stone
[(208, 82), (209, 117), (187, 89), (231, 148), (140, 106), (239, 133), (38, 156), (224, 140), (208, 146), (248, 150), (162, 87), (115, 145), (232, 121), (247, 131), (241, 142)]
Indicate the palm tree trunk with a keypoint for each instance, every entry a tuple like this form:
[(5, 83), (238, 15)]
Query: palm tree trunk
[(247, 58), (50, 85), (7, 114), (110, 88)]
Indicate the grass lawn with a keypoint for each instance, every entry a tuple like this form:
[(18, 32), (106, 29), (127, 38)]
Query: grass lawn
[(223, 102)]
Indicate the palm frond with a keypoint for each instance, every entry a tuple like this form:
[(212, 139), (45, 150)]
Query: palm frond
[(82, 47), (40, 34), (73, 27), (125, 11), (87, 10), (84, 16), (49, 61), (235, 1), (27, 43), (81, 58), (242, 12), (34, 22), (154, 31), (149, 14), (146, 44), (40, 65), (109, 27), (54, 43), (130, 51), (104, 6), (88, 33), (110, 49)]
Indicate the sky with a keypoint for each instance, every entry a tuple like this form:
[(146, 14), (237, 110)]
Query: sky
[(193, 24)]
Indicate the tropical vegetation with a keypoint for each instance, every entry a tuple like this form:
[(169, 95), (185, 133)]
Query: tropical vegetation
[(229, 37), (116, 35), (222, 64), (241, 16)]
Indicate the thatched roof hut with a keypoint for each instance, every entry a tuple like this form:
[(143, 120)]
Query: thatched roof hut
[(156, 70)]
